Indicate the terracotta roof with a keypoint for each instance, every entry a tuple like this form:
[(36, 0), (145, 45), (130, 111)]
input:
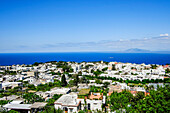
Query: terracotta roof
[(95, 96)]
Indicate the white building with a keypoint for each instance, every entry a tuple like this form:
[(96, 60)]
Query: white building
[(94, 104), (68, 103), (0, 86), (10, 85), (21, 107)]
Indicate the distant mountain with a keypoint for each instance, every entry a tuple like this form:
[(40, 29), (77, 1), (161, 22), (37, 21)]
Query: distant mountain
[(137, 50)]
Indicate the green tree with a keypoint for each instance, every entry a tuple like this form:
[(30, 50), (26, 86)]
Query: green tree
[(36, 63), (98, 72), (63, 81), (31, 86), (81, 111), (98, 81), (120, 100), (158, 101), (113, 67), (50, 102), (167, 70), (31, 98), (3, 102), (104, 69), (12, 111), (106, 84), (56, 96), (51, 109), (77, 79), (72, 83)]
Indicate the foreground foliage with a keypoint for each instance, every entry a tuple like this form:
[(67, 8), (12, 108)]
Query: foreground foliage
[(158, 101), (51, 109)]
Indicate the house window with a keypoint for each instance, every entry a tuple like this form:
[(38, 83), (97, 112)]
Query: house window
[(88, 106), (95, 103), (71, 110)]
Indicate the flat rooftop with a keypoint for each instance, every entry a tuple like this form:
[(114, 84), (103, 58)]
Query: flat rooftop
[(18, 106), (67, 100), (11, 97), (38, 105)]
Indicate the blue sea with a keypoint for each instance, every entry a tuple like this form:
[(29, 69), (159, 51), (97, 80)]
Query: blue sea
[(30, 58)]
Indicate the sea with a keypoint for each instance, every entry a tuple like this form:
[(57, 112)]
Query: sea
[(30, 58)]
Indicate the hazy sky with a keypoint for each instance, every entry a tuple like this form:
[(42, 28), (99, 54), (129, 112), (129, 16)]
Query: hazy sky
[(84, 25)]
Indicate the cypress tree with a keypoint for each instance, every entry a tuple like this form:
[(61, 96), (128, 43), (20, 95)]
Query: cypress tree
[(63, 81)]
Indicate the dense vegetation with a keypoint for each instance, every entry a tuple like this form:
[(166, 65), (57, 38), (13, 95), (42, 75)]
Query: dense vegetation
[(51, 101), (14, 91), (3, 102), (30, 98), (158, 101), (99, 89), (11, 111), (51, 109), (8, 72), (44, 87)]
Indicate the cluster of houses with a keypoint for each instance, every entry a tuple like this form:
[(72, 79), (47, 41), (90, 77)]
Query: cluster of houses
[(74, 101), (71, 102), (42, 73)]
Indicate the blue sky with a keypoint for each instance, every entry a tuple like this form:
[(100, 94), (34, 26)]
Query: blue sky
[(84, 25)]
